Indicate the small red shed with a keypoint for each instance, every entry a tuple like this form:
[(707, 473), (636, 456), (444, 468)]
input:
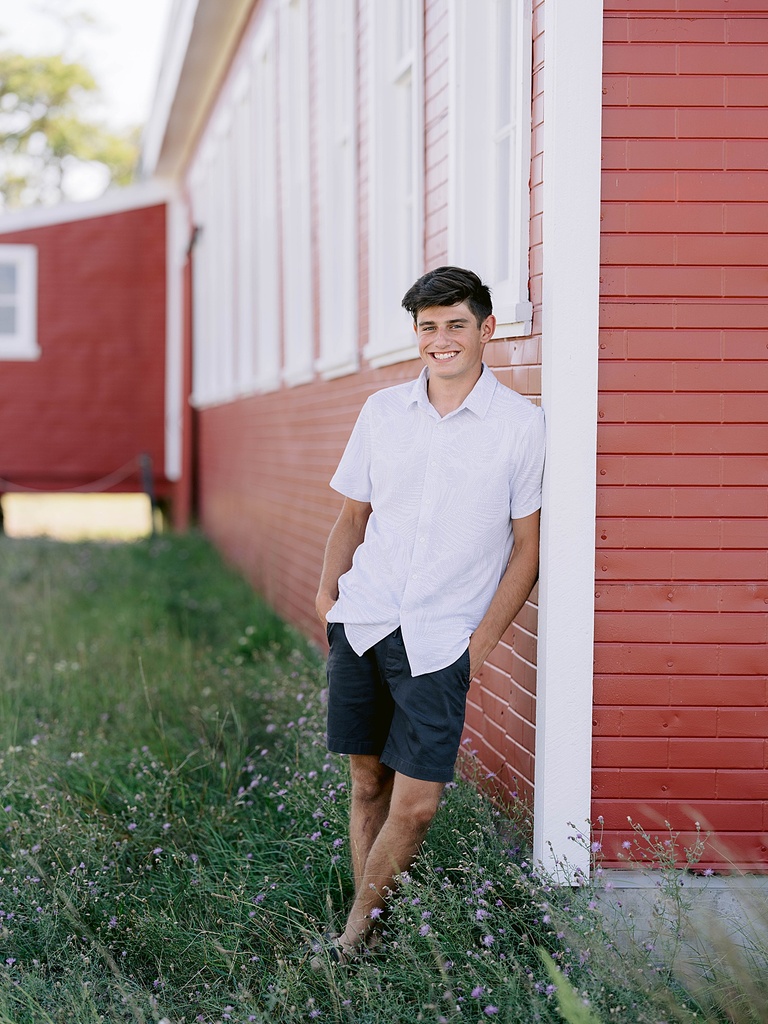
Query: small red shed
[(82, 355)]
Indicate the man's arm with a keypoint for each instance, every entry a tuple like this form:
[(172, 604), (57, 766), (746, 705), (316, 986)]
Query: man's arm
[(514, 588), (344, 539)]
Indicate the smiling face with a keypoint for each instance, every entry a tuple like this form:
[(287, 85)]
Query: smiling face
[(451, 343)]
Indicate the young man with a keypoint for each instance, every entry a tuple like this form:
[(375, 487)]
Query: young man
[(433, 554)]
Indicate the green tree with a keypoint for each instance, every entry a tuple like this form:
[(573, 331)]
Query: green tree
[(47, 134)]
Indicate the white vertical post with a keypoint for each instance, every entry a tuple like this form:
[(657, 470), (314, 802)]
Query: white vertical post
[(573, 36), (177, 232)]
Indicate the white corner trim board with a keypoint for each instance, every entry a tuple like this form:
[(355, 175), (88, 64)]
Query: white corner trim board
[(177, 242), (573, 35)]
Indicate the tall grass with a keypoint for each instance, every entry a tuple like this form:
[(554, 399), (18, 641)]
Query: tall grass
[(173, 832)]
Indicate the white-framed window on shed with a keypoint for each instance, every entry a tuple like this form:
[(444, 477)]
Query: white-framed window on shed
[(489, 201), (337, 188), (18, 302), (298, 342), (396, 189)]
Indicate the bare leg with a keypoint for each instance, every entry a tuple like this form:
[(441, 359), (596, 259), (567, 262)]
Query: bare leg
[(411, 809), (371, 794)]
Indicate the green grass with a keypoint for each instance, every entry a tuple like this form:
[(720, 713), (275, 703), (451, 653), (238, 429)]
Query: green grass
[(173, 831)]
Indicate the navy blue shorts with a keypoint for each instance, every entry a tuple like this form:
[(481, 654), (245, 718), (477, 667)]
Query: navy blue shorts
[(375, 706)]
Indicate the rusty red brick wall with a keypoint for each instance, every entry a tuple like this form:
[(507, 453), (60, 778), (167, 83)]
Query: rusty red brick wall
[(265, 462), (95, 398), (681, 709)]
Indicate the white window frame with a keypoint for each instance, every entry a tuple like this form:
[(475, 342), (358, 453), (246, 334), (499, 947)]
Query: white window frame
[(203, 391), (213, 306), (245, 368), (225, 341), (235, 205), (337, 188), (214, 363), (298, 339), (265, 284), (22, 343), (396, 207), (476, 53)]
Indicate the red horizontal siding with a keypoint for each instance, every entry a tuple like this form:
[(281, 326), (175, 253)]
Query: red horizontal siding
[(681, 655)]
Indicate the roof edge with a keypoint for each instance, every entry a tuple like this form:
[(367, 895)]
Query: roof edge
[(118, 200), (202, 37), (174, 53)]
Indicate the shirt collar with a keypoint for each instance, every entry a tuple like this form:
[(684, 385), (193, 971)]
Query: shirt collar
[(478, 401)]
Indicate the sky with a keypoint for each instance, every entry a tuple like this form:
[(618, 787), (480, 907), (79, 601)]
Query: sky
[(122, 49)]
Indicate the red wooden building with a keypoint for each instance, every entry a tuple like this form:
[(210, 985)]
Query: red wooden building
[(82, 345), (603, 166)]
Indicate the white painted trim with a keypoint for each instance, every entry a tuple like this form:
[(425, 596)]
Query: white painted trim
[(266, 237), (118, 200), (202, 259), (294, 190), (245, 186), (570, 313), (200, 49), (21, 346), (226, 325), (394, 263), (177, 237), (397, 355), (472, 209), (181, 21), (337, 228)]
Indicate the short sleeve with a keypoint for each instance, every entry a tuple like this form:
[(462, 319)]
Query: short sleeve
[(353, 474), (528, 469)]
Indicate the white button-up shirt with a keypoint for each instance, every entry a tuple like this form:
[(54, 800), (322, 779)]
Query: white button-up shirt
[(443, 493)]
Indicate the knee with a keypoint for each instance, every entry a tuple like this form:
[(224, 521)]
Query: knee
[(414, 815), (371, 782)]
